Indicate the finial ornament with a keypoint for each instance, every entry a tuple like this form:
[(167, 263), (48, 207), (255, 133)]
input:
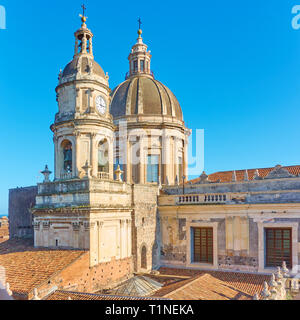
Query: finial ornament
[(83, 17), (234, 179), (285, 270), (140, 23), (265, 293)]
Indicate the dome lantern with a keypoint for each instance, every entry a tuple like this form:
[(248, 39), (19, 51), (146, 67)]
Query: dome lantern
[(139, 58), (83, 37)]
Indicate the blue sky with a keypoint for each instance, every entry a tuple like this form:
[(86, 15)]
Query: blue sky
[(233, 65)]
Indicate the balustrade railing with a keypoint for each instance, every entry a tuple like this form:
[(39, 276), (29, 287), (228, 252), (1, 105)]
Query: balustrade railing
[(201, 199), (66, 176), (103, 175)]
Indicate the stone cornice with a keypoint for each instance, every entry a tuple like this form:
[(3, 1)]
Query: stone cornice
[(82, 81)]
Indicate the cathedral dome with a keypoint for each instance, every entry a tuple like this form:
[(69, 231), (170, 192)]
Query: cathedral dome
[(143, 95), (84, 65)]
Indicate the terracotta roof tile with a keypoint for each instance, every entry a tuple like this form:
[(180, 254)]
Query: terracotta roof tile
[(27, 267), (207, 287), (66, 295), (226, 176), (248, 283)]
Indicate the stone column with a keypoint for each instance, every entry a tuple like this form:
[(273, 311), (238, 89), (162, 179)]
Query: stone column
[(91, 45), (93, 158), (129, 238), (185, 157), (84, 44), (77, 101), (237, 234), (166, 159), (91, 105), (245, 234), (142, 143), (261, 256), (111, 158), (77, 153), (100, 227), (56, 157), (122, 239), (229, 233), (176, 165), (93, 244)]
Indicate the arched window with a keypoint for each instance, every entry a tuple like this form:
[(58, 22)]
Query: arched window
[(67, 156), (144, 258), (103, 164)]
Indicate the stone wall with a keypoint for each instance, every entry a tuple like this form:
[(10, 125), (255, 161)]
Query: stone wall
[(21, 200), (145, 227)]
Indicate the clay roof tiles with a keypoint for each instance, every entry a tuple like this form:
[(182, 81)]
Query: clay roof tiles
[(27, 267), (244, 284), (226, 176)]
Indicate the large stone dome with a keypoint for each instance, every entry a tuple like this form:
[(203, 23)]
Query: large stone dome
[(143, 95), (84, 65)]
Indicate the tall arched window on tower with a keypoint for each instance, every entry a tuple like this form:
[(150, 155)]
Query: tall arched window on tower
[(103, 163), (67, 156)]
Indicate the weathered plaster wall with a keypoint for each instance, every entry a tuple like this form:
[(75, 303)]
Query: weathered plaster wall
[(21, 200)]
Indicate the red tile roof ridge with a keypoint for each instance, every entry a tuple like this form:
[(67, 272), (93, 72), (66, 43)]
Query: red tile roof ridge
[(101, 295), (209, 278), (187, 284), (226, 176)]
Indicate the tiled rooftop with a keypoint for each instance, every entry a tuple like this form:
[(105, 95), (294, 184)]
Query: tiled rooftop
[(66, 295), (27, 267), (226, 176), (207, 287), (247, 283)]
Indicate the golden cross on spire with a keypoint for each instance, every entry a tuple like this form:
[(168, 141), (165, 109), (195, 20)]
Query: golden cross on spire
[(83, 17)]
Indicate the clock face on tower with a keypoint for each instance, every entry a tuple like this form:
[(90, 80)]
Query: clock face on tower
[(101, 105)]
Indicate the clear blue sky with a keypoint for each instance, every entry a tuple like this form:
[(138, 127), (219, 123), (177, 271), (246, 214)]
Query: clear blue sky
[(233, 65)]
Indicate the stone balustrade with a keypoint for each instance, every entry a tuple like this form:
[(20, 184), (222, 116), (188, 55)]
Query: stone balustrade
[(201, 199), (66, 176), (103, 175)]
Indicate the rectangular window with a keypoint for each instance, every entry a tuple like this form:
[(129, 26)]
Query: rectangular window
[(203, 245), (135, 66), (278, 247), (152, 168), (142, 65)]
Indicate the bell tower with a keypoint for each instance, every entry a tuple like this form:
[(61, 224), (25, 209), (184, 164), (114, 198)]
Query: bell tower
[(83, 127)]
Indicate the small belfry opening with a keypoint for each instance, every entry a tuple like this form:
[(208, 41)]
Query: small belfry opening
[(67, 151), (144, 258), (103, 161)]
